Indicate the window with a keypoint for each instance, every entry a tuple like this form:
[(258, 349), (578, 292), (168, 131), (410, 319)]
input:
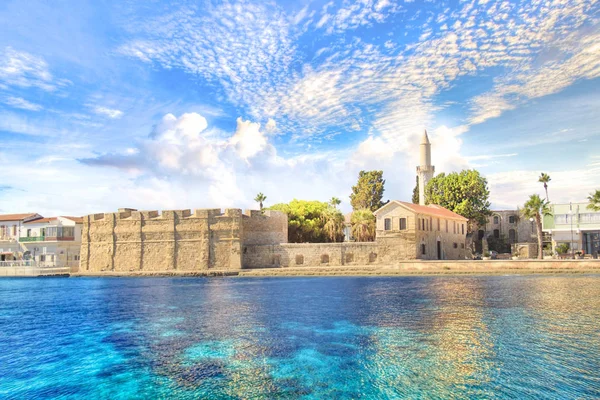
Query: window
[(402, 224), (462, 245), (511, 219), (14, 230), (462, 228), (28, 232), (496, 233), (423, 248), (76, 258), (387, 224), (455, 245), (512, 236), (496, 220), (423, 224)]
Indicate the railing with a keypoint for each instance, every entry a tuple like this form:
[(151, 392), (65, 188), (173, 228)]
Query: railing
[(32, 239), (60, 238), (19, 263)]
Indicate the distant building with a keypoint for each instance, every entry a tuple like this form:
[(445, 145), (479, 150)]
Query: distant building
[(10, 230), (52, 242), (574, 224), (505, 227)]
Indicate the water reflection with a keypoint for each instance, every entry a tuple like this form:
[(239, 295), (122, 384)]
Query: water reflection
[(485, 337)]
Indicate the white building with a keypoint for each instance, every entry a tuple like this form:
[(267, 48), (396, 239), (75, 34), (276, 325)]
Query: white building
[(10, 231), (53, 242)]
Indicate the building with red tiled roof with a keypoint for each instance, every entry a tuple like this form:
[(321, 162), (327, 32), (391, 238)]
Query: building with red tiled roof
[(428, 232)]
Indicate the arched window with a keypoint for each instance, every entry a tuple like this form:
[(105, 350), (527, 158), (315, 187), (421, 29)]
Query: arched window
[(496, 219)]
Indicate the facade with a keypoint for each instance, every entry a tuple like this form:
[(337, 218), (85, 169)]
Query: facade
[(52, 242), (575, 225), (425, 170), (10, 231), (422, 232), (505, 227)]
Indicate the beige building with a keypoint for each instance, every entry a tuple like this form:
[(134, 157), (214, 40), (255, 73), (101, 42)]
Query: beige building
[(503, 229), (422, 232)]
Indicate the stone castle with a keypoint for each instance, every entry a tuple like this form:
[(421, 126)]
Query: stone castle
[(182, 240)]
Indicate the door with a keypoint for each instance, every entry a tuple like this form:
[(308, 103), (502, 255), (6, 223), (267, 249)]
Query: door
[(439, 250)]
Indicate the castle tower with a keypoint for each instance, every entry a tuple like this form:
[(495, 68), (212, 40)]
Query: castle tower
[(425, 171)]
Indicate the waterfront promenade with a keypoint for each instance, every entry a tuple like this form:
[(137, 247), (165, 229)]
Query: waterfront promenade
[(450, 267)]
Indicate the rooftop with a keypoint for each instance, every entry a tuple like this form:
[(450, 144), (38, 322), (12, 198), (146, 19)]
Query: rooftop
[(431, 209), (16, 217)]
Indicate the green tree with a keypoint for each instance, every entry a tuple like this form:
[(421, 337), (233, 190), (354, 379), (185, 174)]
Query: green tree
[(334, 202), (363, 225), (260, 198), (545, 178), (368, 192), (312, 221), (415, 197), (333, 224), (594, 199), (537, 208), (465, 193)]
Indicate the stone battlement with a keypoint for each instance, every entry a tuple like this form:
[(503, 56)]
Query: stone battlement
[(131, 240)]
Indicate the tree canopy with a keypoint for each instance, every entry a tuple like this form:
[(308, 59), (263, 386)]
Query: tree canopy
[(594, 201), (368, 192), (465, 193), (312, 221), (363, 225)]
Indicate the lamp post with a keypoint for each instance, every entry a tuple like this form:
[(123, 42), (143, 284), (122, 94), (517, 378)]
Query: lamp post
[(571, 218)]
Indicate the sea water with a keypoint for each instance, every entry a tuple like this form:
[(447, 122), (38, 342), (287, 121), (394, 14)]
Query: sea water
[(313, 338)]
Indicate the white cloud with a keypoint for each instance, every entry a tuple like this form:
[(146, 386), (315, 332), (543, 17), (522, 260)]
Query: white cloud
[(111, 113), (19, 102), (22, 69)]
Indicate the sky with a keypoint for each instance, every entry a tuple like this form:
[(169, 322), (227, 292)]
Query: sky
[(202, 104)]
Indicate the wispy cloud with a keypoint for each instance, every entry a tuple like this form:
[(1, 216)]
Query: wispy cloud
[(112, 113), (19, 102), (22, 69)]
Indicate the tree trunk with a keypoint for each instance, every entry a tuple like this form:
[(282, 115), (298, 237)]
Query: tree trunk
[(538, 226), (546, 188)]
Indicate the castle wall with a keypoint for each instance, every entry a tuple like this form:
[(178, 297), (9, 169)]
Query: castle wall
[(310, 254), (132, 240)]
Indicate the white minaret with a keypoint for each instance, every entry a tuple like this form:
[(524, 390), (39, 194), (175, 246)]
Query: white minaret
[(425, 170)]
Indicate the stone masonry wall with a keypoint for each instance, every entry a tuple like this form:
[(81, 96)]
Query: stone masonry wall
[(174, 240), (310, 254)]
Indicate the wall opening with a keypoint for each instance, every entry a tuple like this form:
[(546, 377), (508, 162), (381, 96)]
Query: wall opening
[(372, 257), (299, 259), (349, 257), (324, 258)]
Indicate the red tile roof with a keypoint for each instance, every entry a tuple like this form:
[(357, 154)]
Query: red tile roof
[(431, 209), (16, 217), (77, 220)]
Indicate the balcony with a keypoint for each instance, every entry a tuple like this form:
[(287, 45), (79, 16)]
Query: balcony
[(47, 239), (32, 239)]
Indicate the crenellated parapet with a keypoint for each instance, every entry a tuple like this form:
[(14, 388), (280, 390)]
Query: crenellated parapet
[(130, 240)]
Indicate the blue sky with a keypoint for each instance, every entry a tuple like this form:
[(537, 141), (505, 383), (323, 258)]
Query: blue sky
[(181, 104)]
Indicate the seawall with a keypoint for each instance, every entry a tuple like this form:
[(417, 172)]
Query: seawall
[(404, 268)]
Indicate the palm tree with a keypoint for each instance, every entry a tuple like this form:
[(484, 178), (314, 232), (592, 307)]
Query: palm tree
[(334, 224), (594, 199), (260, 198), (537, 208), (545, 178), (334, 202), (363, 225)]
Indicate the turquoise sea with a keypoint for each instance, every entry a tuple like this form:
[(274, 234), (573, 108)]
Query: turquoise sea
[(532, 337)]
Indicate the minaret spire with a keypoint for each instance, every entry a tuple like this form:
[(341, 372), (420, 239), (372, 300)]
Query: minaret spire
[(425, 171)]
